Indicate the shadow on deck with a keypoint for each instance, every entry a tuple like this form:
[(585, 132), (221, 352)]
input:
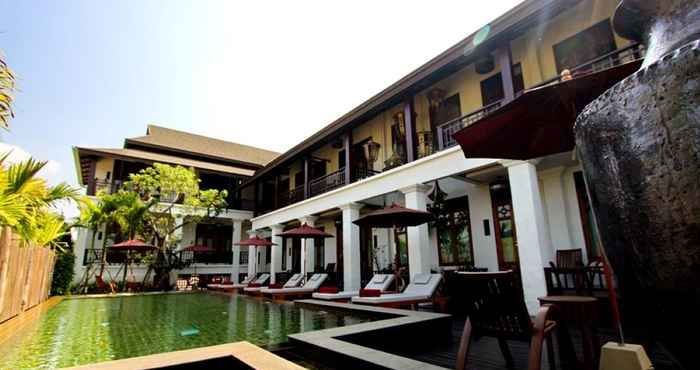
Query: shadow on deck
[(486, 355)]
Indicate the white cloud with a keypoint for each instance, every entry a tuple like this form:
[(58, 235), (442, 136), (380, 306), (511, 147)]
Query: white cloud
[(17, 154)]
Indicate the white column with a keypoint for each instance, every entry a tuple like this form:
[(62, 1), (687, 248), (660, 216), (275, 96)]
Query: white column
[(531, 229), (420, 257), (236, 249), (556, 213), (308, 245), (276, 250), (176, 237), (252, 255), (351, 247)]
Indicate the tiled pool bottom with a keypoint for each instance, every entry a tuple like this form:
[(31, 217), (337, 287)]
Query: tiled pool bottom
[(83, 331)]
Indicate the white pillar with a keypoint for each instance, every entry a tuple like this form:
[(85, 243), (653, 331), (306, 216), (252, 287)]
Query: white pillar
[(351, 247), (276, 250), (176, 237), (420, 257), (556, 213), (308, 245), (252, 255), (236, 249), (531, 229)]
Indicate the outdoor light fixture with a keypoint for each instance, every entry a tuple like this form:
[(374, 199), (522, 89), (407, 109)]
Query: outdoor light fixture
[(400, 123), (372, 150)]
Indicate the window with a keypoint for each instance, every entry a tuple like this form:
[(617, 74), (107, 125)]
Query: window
[(492, 89), (448, 110), (518, 81), (216, 236), (402, 237), (585, 46), (243, 259), (341, 158), (454, 233)]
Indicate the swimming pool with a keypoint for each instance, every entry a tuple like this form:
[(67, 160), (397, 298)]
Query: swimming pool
[(83, 331)]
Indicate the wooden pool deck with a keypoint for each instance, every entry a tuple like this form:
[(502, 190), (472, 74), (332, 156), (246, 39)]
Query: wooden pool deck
[(486, 355), (12, 326)]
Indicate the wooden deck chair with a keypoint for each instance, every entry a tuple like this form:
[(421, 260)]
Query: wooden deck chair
[(497, 309)]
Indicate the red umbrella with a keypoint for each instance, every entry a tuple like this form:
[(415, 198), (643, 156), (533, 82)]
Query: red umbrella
[(133, 245), (305, 232), (199, 248), (540, 122), (392, 217), (255, 241)]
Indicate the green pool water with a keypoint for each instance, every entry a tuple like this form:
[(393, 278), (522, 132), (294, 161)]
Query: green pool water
[(83, 331)]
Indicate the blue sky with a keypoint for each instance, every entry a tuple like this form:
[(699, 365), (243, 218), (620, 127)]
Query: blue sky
[(264, 73)]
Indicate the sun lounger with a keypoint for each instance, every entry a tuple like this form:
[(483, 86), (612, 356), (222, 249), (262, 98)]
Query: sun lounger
[(420, 290), (379, 282), (305, 291), (228, 284), (262, 280), (291, 283)]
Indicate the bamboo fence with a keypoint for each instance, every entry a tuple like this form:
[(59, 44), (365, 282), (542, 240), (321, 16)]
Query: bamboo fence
[(25, 275)]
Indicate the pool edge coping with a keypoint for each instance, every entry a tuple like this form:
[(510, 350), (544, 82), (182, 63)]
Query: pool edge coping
[(331, 339)]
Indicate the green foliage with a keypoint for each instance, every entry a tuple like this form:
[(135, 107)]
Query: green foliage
[(7, 89), (26, 201), (63, 272)]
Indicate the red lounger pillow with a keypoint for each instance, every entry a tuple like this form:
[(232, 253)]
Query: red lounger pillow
[(370, 292), (328, 289), (254, 285), (275, 286)]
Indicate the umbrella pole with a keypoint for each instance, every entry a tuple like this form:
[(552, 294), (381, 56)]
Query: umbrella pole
[(303, 259), (397, 258)]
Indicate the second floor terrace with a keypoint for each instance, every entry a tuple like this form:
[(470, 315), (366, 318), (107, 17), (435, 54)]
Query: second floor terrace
[(417, 116)]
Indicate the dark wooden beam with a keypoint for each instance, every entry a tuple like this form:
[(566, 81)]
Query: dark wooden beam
[(307, 176), (256, 204), (91, 185), (409, 119), (506, 63), (347, 145), (277, 190)]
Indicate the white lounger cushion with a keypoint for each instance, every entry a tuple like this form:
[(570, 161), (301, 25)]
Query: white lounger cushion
[(422, 287), (379, 281), (254, 289), (311, 286), (293, 281), (262, 279)]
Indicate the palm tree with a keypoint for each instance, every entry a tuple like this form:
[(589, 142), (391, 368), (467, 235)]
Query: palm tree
[(7, 87), (26, 202)]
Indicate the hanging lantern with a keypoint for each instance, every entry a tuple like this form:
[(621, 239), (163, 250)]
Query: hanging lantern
[(372, 150)]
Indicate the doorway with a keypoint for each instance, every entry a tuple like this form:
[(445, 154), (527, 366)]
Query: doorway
[(296, 255), (504, 225)]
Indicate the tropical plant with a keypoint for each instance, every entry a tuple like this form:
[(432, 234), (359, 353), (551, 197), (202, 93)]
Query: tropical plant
[(26, 203), (7, 88), (170, 192), (63, 270)]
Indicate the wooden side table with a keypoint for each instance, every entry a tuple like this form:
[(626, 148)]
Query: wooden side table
[(579, 311)]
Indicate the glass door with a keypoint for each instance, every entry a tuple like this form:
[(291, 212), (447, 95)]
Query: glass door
[(506, 240)]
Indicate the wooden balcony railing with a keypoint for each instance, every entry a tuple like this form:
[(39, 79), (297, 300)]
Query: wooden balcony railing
[(445, 131), (101, 185), (290, 196), (617, 57), (327, 182), (363, 173)]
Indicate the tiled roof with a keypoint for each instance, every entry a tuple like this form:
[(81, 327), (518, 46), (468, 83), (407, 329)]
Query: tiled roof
[(176, 140), (164, 158)]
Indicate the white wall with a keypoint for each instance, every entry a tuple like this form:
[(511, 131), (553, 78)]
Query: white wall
[(484, 245)]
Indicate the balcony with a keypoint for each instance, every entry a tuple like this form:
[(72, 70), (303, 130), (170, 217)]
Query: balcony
[(445, 131), (617, 57), (327, 182), (95, 186)]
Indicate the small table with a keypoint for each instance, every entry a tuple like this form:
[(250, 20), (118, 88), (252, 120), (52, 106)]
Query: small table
[(581, 311)]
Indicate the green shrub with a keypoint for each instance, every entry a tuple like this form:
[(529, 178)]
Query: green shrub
[(63, 272)]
